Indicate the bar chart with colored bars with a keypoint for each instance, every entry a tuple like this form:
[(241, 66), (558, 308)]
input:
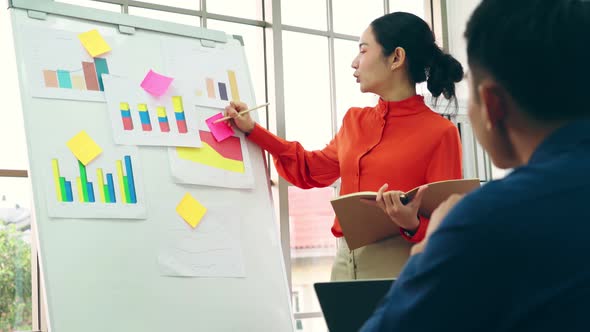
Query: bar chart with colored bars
[(144, 116), (88, 78), (106, 189), (222, 88)]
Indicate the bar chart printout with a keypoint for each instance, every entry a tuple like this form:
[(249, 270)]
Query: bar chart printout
[(88, 77), (162, 116), (223, 164), (137, 118), (104, 188), (60, 68), (217, 89)]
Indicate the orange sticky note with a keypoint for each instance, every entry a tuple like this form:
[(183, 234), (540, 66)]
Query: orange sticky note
[(191, 210), (84, 147), (94, 43)]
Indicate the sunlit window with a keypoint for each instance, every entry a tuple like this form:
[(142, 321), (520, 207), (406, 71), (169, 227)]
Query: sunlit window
[(309, 14), (93, 4), (251, 9), (307, 89), (353, 17), (165, 16), (313, 246), (415, 7), (187, 4)]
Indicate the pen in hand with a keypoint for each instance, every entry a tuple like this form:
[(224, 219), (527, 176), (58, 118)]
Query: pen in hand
[(225, 118)]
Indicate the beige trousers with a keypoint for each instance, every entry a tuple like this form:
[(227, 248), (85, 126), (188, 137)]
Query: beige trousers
[(382, 259)]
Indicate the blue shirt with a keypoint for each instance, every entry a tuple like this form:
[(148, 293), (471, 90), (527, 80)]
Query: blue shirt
[(511, 256)]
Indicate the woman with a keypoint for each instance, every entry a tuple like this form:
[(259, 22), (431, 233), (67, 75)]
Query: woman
[(399, 142)]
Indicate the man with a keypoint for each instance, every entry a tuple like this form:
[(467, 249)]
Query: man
[(515, 254)]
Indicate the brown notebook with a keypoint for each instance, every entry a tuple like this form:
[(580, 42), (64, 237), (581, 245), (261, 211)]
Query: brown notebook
[(363, 224)]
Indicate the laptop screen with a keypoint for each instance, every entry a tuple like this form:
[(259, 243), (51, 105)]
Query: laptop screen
[(348, 304)]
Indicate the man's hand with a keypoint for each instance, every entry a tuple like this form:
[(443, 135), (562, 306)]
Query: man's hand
[(435, 219)]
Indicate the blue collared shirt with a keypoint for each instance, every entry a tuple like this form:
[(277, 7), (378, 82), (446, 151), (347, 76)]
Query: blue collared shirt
[(511, 256)]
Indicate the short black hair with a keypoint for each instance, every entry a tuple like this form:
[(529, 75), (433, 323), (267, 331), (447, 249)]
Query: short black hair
[(426, 61), (538, 50)]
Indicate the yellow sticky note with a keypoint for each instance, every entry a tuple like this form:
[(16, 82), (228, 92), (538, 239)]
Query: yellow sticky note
[(84, 147), (191, 210), (94, 43)]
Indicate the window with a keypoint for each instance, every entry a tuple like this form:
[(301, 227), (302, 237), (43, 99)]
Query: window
[(15, 255), (307, 89), (309, 14), (187, 4), (353, 17), (93, 4), (313, 248), (15, 195), (296, 308), (415, 7), (251, 9), (165, 16)]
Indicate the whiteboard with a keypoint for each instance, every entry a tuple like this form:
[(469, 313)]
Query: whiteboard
[(107, 274)]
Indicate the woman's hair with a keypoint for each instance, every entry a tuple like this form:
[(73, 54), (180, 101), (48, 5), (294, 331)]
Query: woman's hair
[(426, 61), (539, 52)]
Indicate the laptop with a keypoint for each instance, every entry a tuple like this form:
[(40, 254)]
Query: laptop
[(348, 304)]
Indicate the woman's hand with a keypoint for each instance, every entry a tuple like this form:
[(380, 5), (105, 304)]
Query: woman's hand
[(405, 216), (243, 122), (435, 219)]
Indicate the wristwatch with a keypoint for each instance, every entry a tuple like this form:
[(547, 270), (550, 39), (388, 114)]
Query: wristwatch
[(409, 233)]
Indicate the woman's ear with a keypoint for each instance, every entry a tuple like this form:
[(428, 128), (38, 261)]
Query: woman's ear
[(397, 58)]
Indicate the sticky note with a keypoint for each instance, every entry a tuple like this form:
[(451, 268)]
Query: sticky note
[(84, 147), (191, 210), (93, 42), (219, 130), (156, 84)]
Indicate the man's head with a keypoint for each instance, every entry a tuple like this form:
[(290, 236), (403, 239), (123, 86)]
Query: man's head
[(529, 66)]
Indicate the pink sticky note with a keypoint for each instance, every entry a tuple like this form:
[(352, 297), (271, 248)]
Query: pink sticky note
[(156, 84), (219, 130)]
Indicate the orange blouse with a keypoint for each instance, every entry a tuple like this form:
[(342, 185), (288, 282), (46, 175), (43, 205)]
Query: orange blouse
[(404, 144)]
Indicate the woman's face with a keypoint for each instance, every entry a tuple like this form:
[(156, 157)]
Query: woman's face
[(372, 71)]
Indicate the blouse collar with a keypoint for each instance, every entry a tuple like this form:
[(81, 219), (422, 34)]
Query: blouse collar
[(408, 106)]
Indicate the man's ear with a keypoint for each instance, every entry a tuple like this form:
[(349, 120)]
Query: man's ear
[(397, 58), (494, 103)]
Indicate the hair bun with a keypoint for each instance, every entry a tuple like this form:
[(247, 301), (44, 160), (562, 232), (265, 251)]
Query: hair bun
[(443, 73)]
